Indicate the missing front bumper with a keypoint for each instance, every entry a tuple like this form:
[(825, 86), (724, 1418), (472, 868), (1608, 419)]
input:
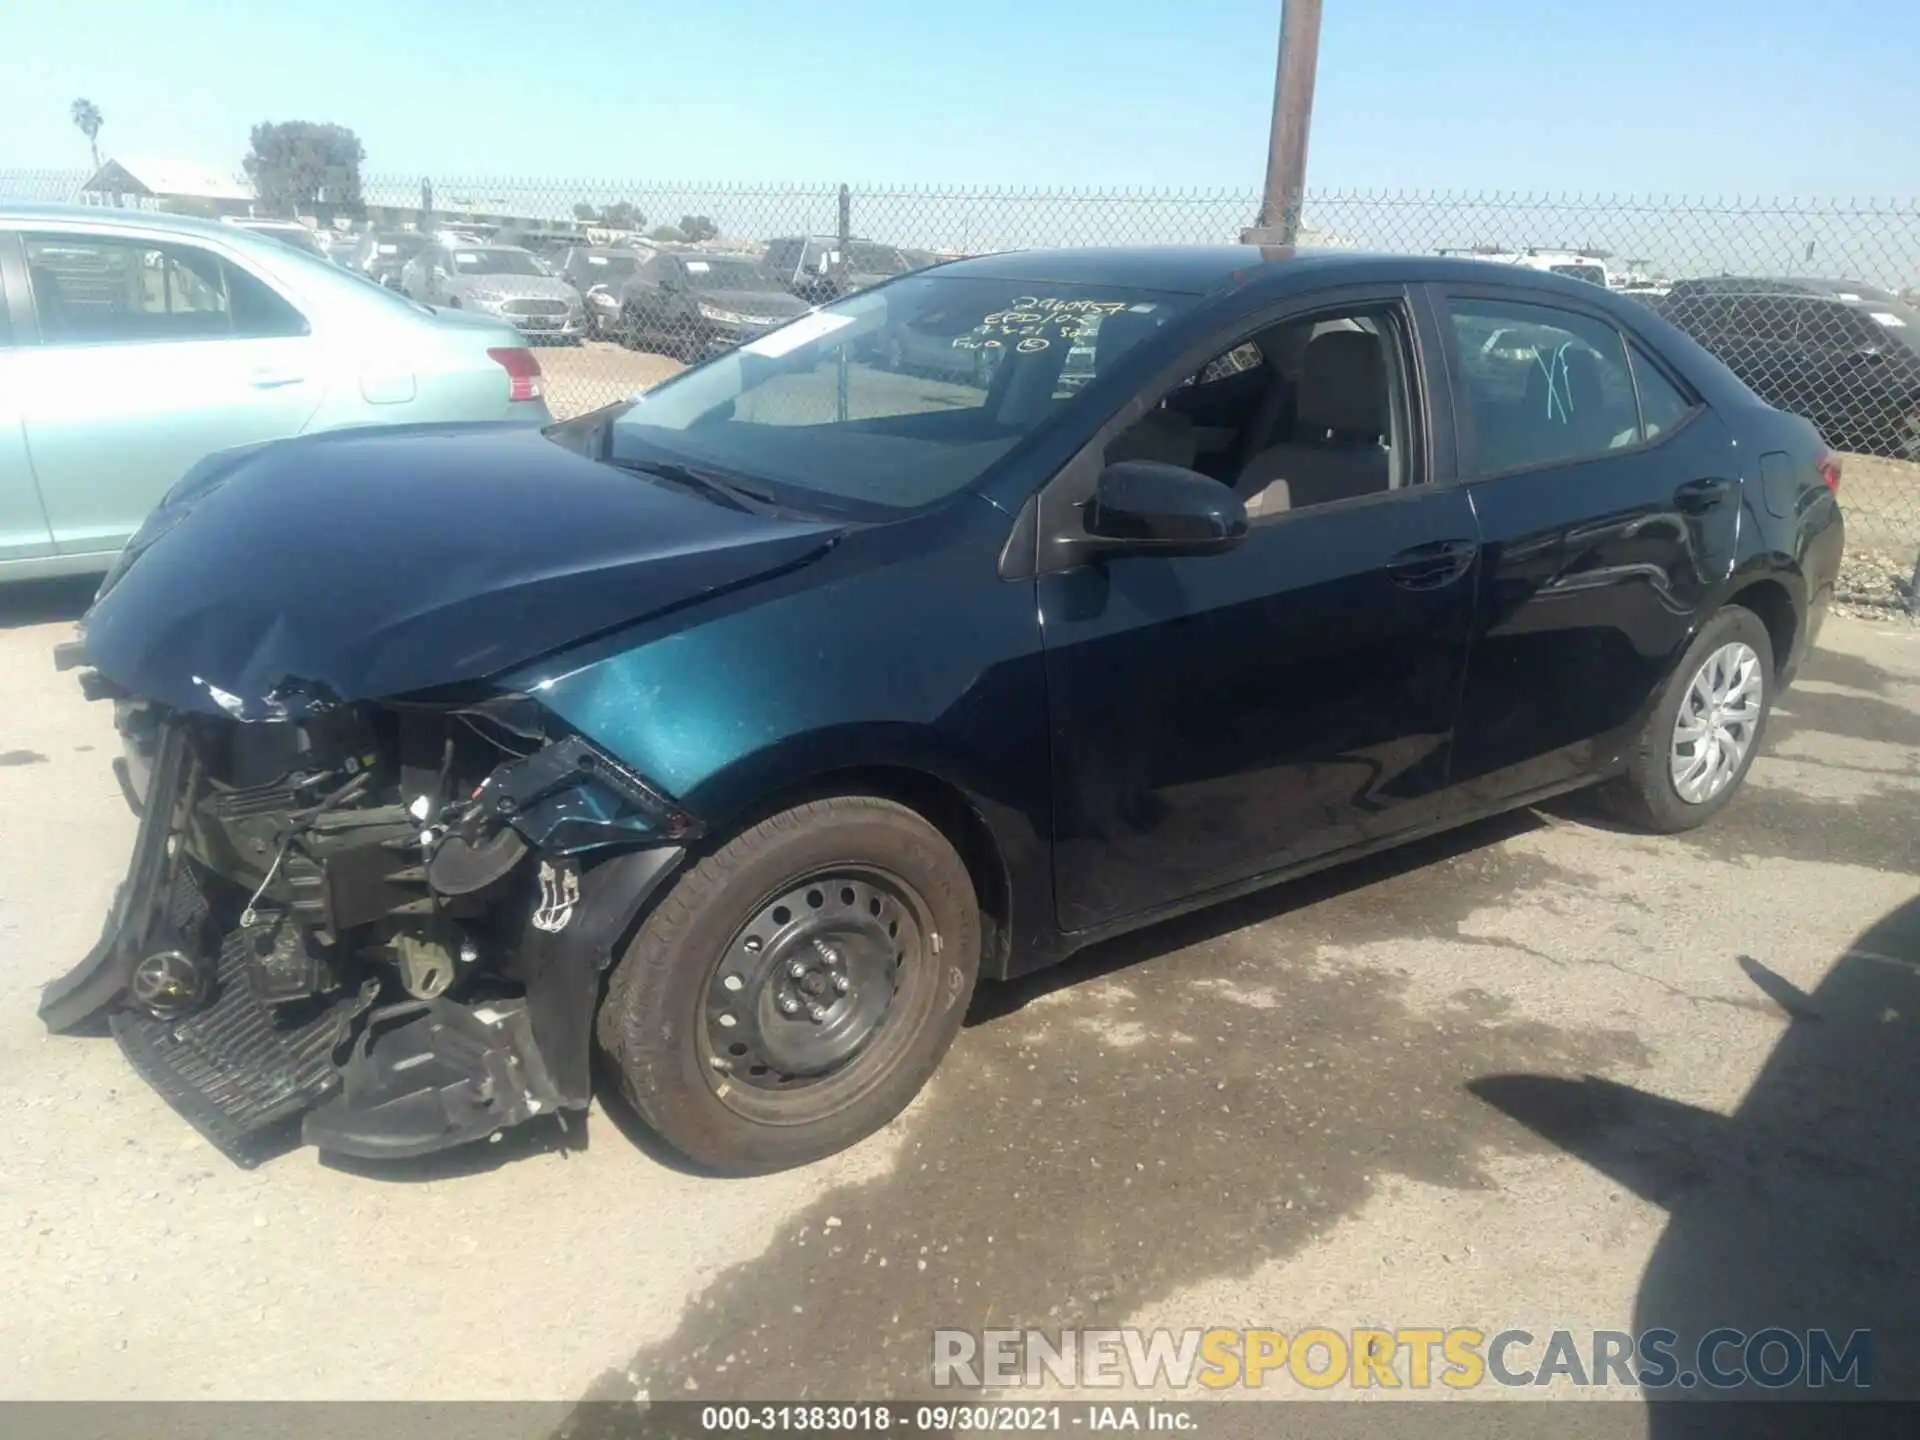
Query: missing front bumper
[(198, 1004)]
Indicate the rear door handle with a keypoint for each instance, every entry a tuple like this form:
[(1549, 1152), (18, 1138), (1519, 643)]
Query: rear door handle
[(1429, 566), (1697, 496)]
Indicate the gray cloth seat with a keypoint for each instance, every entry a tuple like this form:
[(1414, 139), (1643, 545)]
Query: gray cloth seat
[(1339, 446)]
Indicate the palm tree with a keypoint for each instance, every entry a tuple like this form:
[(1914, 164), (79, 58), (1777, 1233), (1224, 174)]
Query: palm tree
[(87, 116)]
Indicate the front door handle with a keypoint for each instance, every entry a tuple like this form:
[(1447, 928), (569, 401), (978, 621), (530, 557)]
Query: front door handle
[(274, 379), (1698, 496), (1429, 566)]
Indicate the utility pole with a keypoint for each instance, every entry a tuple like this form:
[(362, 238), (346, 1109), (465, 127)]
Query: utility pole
[(1299, 57)]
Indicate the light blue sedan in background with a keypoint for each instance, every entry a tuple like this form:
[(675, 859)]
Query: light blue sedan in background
[(133, 343)]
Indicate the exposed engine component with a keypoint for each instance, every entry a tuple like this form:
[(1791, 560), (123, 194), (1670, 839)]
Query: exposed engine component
[(381, 916), (429, 959)]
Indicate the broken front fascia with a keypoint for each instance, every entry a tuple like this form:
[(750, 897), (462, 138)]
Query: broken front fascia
[(419, 1075)]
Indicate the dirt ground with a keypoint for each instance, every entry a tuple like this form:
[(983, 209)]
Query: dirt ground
[(598, 372), (1540, 1073)]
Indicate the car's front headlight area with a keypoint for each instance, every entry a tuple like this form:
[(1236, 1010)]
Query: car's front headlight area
[(488, 299), (719, 316)]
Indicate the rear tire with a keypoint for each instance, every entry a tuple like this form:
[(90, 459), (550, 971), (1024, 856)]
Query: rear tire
[(795, 988), (1680, 776)]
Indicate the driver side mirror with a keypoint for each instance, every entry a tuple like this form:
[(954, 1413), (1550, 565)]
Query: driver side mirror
[(1149, 508)]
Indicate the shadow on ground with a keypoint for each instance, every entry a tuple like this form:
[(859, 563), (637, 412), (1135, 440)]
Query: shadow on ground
[(1802, 1209), (1191, 1101), (44, 602)]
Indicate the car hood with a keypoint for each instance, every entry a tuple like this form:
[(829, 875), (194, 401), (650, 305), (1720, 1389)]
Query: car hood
[(514, 287), (360, 564)]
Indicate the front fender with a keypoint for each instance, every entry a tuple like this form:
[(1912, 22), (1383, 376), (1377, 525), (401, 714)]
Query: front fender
[(901, 648)]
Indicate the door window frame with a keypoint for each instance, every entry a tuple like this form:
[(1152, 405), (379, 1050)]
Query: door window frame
[(22, 326), (25, 305), (1467, 440), (1057, 513)]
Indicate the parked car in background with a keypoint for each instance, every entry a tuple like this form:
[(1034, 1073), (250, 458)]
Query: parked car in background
[(132, 344), (380, 255), (747, 725), (461, 236), (497, 280), (692, 303), (599, 273), (287, 232), (1574, 264), (819, 268), (548, 245), (1843, 354)]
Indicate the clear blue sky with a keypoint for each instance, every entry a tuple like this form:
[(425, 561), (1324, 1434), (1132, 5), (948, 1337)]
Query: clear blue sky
[(1696, 96)]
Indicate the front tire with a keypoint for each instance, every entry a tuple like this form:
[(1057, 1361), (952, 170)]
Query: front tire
[(1698, 744), (794, 990)]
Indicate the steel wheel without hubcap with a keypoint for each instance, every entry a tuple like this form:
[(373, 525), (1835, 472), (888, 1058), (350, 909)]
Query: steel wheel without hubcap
[(1719, 717), (797, 1012)]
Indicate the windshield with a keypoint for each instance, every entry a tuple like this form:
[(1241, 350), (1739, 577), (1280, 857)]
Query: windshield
[(867, 258), (600, 268), (894, 398), (495, 262), (727, 275)]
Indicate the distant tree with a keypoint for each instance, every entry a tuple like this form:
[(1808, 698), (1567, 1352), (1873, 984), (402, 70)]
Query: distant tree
[(299, 162), (622, 215), (666, 232), (698, 227), (86, 115), (584, 212)]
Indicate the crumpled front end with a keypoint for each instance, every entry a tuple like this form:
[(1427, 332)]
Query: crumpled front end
[(387, 922)]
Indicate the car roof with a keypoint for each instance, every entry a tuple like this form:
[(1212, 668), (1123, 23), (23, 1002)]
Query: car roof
[(1214, 269), (106, 217), (1781, 285)]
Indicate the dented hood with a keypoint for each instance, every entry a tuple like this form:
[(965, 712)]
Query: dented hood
[(369, 563)]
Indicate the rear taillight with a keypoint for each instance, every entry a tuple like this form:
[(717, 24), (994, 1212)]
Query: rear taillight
[(1828, 464), (523, 372)]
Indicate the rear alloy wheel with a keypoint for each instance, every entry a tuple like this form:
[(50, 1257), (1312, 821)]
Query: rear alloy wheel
[(1698, 743), (1718, 721), (797, 986)]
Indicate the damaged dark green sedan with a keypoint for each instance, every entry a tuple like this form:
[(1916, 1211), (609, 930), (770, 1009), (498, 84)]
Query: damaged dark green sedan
[(736, 730)]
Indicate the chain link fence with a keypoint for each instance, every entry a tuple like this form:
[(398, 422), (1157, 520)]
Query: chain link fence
[(1809, 302)]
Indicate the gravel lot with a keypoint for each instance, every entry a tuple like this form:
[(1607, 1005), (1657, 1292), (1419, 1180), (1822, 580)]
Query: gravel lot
[(598, 372), (1289, 1111)]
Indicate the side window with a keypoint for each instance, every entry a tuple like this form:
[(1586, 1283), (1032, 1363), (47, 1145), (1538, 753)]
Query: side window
[(100, 290), (257, 311), (1662, 403), (1321, 420), (1544, 385), (93, 290), (1222, 367), (1838, 329)]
